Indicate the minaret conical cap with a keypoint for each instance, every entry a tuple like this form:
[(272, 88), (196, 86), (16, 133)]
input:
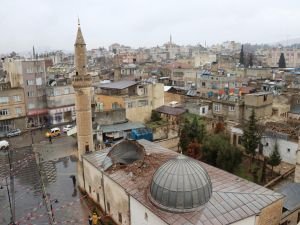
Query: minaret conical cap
[(79, 37)]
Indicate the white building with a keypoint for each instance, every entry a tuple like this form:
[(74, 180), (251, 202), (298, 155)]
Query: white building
[(142, 183)]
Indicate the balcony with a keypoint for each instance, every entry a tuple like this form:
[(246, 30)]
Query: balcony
[(82, 81)]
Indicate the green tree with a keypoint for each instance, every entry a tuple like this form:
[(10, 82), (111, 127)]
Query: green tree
[(281, 62), (218, 151), (191, 132), (251, 137), (274, 158), (250, 60), (242, 56), (155, 116), (184, 136)]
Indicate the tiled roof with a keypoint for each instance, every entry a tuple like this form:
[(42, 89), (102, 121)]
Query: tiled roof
[(233, 198)]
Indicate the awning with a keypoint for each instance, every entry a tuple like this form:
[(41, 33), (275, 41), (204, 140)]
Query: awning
[(37, 112), (62, 109)]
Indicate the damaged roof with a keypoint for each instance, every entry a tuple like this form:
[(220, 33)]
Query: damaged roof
[(233, 198), (170, 110)]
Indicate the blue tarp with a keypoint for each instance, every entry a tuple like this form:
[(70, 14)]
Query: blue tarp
[(141, 133)]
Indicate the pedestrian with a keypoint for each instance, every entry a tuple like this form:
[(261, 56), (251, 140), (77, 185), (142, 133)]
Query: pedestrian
[(74, 180), (90, 220), (50, 138), (95, 219)]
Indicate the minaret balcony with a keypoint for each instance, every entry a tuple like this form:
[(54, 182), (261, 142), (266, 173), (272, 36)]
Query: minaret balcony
[(82, 81)]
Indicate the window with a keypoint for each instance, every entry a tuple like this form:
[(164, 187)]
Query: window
[(267, 144), (203, 84), (203, 110), (17, 98), (67, 91), (39, 81), (120, 217), (56, 92), (18, 110), (231, 108), (288, 150), (142, 103), (108, 207), (31, 105), (129, 105), (4, 112), (30, 93), (90, 189), (265, 97), (98, 198), (217, 107), (4, 100), (30, 82), (87, 149)]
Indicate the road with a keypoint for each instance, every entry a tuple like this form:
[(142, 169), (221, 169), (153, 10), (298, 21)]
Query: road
[(42, 181)]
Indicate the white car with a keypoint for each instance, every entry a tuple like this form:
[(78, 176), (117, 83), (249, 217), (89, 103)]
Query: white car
[(4, 144), (67, 128)]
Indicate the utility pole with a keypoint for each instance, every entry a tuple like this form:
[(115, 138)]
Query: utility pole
[(12, 187)]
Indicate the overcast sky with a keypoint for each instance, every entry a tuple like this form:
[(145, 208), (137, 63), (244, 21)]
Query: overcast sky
[(52, 24)]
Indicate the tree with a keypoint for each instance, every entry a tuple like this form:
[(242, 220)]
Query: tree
[(242, 58), (191, 132), (281, 62), (274, 158), (219, 128), (250, 60), (218, 151), (251, 137), (155, 116)]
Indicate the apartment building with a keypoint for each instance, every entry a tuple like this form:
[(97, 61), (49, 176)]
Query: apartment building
[(12, 108), (30, 74), (138, 98), (61, 102)]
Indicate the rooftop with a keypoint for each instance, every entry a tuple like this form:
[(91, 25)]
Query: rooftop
[(118, 84), (170, 110), (232, 199)]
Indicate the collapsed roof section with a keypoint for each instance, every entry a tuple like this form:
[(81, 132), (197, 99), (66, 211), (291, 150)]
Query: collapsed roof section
[(125, 152)]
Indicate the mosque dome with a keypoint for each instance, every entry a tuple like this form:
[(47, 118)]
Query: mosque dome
[(180, 185)]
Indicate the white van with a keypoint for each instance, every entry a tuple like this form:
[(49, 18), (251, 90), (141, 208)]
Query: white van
[(53, 132), (4, 144)]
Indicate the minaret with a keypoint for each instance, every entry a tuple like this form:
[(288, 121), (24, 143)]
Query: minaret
[(82, 84)]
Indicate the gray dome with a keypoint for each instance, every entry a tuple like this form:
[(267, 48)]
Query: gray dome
[(180, 185)]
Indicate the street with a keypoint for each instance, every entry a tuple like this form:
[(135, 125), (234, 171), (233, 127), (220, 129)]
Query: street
[(42, 181)]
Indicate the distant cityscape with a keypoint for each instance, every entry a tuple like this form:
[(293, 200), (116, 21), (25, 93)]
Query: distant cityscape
[(164, 135)]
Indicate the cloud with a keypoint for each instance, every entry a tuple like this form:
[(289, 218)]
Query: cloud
[(52, 23)]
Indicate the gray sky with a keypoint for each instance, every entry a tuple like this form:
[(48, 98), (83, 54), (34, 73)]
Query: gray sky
[(52, 24)]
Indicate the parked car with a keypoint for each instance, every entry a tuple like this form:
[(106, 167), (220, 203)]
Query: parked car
[(53, 132), (15, 132), (67, 128), (4, 144)]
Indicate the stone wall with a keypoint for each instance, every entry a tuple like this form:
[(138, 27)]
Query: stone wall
[(271, 215), (170, 143)]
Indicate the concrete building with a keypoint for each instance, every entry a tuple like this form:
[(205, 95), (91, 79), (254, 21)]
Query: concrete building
[(30, 75), (148, 189), (138, 98), (82, 83), (291, 55), (261, 103), (12, 108), (61, 102)]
